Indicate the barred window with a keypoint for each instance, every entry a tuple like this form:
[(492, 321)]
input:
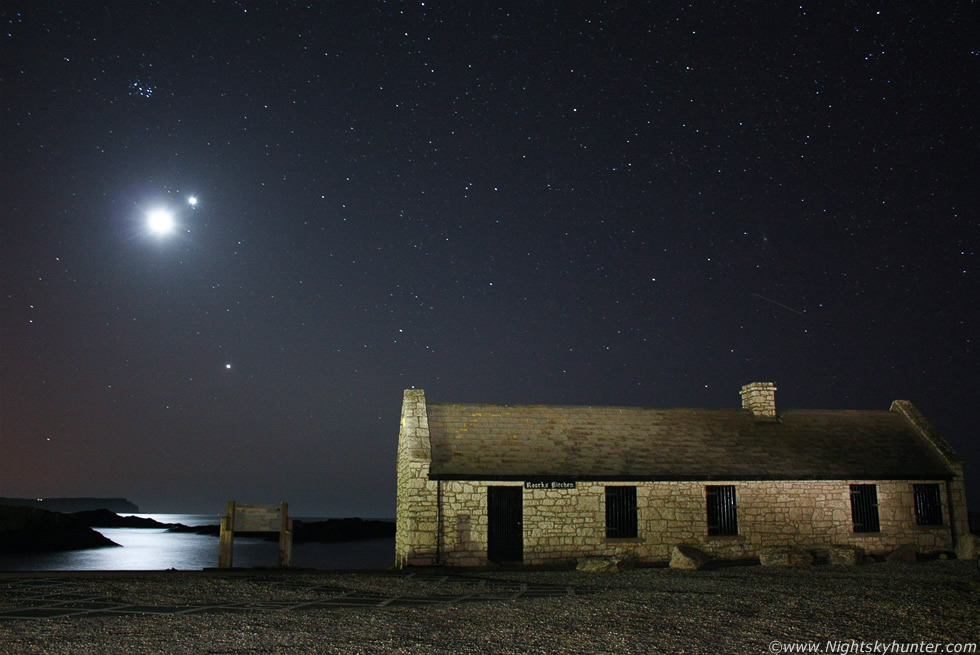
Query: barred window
[(864, 507), (621, 512), (722, 510), (928, 508)]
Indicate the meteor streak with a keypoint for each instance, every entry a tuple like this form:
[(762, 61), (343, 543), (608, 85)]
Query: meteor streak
[(759, 295)]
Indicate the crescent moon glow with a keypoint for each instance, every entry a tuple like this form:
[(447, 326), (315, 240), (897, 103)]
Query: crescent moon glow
[(160, 221)]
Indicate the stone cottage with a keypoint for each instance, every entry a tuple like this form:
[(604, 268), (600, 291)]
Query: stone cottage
[(480, 483)]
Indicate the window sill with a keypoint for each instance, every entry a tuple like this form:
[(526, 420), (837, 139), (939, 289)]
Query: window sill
[(624, 540)]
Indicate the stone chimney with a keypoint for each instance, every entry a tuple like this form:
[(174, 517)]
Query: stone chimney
[(760, 399)]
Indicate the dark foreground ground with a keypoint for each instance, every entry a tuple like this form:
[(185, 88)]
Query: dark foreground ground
[(728, 610)]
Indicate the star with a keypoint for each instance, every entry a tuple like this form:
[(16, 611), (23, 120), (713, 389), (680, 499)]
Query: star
[(192, 201)]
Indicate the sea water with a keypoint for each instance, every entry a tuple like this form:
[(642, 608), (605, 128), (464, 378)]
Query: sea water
[(152, 549)]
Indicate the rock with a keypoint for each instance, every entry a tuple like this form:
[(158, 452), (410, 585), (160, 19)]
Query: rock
[(904, 554), (208, 530), (785, 556), (600, 564), (967, 546), (103, 518), (688, 557), (32, 530), (846, 555), (329, 531)]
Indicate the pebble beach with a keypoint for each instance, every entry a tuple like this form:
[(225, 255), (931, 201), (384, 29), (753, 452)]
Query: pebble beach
[(745, 609)]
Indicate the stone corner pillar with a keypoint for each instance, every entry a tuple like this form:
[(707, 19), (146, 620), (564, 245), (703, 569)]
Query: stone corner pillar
[(416, 508)]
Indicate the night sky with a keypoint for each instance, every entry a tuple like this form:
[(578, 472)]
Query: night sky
[(609, 203)]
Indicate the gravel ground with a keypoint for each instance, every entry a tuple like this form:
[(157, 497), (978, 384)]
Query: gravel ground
[(727, 610)]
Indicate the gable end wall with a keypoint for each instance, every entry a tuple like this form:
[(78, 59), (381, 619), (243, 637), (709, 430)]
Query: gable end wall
[(956, 487), (416, 506)]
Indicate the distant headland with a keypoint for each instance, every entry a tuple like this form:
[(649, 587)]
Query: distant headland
[(118, 505)]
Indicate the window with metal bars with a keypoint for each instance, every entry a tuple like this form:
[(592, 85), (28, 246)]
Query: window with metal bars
[(722, 510), (621, 513), (928, 508), (864, 507)]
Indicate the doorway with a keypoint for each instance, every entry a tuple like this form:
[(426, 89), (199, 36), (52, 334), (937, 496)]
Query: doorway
[(505, 528)]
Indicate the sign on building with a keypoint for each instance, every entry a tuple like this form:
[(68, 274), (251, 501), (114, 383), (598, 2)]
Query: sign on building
[(549, 484)]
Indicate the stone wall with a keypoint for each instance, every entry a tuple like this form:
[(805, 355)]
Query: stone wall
[(563, 525), (416, 507)]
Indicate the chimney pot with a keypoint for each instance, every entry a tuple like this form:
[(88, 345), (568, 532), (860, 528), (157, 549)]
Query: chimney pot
[(760, 399)]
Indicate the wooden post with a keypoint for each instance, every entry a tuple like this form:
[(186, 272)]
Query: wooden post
[(227, 538), (285, 537)]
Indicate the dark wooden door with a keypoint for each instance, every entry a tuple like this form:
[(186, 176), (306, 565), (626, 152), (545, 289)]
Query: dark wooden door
[(505, 529)]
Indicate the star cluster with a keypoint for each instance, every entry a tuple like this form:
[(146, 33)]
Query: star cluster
[(587, 203)]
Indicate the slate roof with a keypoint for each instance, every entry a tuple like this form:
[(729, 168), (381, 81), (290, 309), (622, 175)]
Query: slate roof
[(520, 442)]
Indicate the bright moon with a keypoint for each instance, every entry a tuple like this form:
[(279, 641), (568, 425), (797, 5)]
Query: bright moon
[(160, 221), (227, 365), (192, 201)]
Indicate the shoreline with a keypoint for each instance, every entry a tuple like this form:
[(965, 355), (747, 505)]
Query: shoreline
[(724, 610)]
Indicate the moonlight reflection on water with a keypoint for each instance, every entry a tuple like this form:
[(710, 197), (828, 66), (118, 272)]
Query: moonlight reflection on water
[(157, 550)]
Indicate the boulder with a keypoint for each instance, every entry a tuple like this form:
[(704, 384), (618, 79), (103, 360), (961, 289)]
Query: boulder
[(32, 530), (785, 556), (904, 554), (967, 546), (841, 555), (600, 564), (688, 557)]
